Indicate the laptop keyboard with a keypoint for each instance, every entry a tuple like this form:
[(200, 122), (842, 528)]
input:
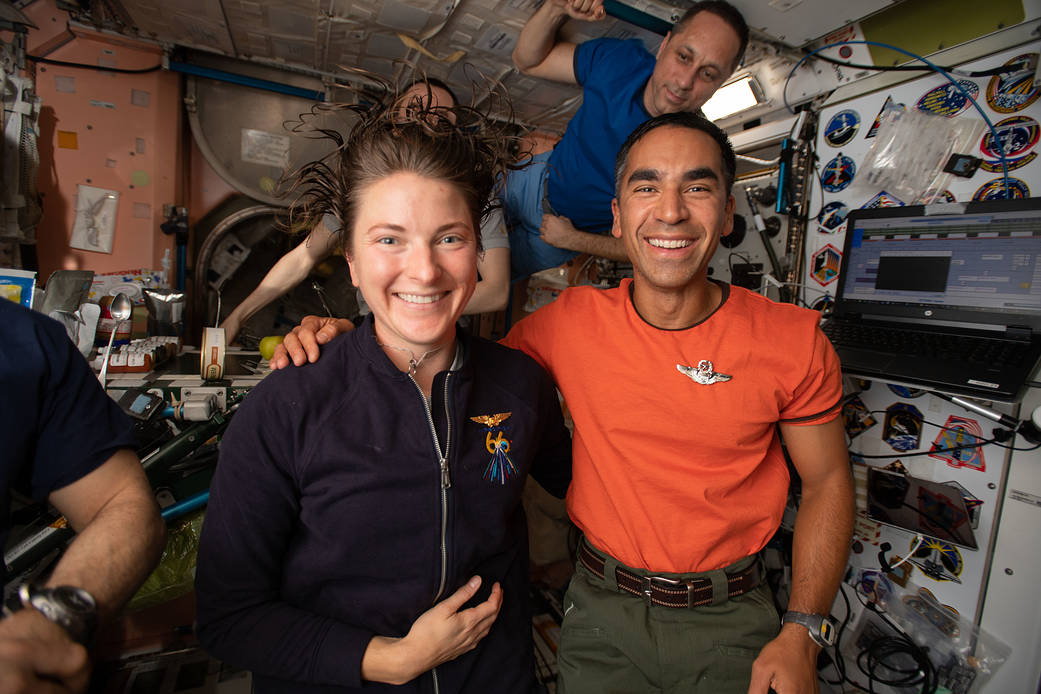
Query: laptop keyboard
[(994, 352)]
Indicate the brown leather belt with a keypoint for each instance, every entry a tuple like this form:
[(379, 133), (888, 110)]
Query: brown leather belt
[(670, 592)]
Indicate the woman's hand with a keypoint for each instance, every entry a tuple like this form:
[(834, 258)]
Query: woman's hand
[(440, 634)]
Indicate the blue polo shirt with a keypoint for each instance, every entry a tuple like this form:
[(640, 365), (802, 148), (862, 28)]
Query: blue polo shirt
[(613, 74), (56, 423)]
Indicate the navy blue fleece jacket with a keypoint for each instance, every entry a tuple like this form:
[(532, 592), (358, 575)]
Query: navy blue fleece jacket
[(329, 504)]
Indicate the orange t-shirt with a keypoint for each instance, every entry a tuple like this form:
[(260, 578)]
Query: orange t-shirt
[(670, 474)]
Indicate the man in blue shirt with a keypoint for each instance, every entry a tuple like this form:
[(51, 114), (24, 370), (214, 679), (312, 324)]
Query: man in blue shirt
[(561, 205), (71, 445)]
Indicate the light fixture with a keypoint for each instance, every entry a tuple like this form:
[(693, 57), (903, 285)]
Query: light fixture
[(734, 97)]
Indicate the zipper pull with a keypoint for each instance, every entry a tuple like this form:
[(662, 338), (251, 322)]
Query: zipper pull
[(446, 479)]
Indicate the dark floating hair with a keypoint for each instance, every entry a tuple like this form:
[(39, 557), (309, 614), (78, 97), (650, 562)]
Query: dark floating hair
[(463, 145)]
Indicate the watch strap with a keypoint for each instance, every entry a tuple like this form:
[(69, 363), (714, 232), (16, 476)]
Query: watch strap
[(820, 627)]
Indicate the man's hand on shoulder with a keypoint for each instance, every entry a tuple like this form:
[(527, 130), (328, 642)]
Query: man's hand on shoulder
[(37, 656), (560, 232), (786, 665), (303, 344)]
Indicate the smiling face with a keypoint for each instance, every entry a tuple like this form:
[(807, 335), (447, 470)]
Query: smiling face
[(673, 206), (413, 255), (691, 65)]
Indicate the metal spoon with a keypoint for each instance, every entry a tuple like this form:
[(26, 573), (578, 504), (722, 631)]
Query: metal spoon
[(120, 309)]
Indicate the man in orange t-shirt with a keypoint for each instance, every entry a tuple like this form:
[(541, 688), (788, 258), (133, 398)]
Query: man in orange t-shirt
[(673, 474), (681, 389)]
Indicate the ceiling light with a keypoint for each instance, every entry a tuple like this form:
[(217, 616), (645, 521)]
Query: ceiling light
[(739, 95)]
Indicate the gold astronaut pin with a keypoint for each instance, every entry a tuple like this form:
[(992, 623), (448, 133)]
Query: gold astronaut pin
[(500, 468), (491, 420)]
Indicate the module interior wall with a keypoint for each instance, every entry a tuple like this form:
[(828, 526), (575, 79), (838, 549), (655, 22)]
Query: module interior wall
[(127, 133)]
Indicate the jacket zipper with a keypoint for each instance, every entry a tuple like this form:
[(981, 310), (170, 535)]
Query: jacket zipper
[(446, 482)]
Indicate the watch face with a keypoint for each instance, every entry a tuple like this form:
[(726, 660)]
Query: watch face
[(74, 599), (73, 609), (827, 632)]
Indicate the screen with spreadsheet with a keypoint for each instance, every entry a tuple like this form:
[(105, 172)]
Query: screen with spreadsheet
[(975, 261)]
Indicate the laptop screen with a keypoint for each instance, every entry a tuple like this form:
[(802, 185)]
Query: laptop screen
[(976, 263)]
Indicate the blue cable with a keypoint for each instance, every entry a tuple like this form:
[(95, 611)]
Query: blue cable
[(185, 506), (936, 68)]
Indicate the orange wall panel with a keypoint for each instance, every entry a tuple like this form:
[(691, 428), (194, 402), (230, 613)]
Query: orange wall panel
[(127, 130)]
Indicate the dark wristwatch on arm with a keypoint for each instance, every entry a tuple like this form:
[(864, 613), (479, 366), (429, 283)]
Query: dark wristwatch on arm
[(821, 627), (73, 609)]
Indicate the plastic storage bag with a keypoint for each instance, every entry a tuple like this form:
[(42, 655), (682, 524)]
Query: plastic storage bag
[(175, 575), (910, 150)]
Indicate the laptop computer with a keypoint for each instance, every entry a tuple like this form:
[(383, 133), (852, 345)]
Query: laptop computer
[(945, 297)]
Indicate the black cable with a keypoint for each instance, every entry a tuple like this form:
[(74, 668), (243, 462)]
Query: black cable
[(921, 453), (927, 676), (838, 639), (980, 443), (1002, 69), (836, 659), (87, 66), (1013, 448), (884, 651), (871, 659), (730, 261)]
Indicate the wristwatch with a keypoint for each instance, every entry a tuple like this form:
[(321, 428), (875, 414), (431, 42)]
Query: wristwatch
[(73, 609), (821, 628)]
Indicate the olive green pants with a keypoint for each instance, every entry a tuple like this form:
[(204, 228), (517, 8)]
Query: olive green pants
[(613, 642)]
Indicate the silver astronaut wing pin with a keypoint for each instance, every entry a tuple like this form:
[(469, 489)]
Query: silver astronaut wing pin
[(703, 374)]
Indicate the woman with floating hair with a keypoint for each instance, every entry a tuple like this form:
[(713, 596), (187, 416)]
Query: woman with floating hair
[(493, 264), (365, 527)]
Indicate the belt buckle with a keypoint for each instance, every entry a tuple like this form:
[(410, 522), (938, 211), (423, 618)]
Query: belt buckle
[(648, 585), (690, 593)]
